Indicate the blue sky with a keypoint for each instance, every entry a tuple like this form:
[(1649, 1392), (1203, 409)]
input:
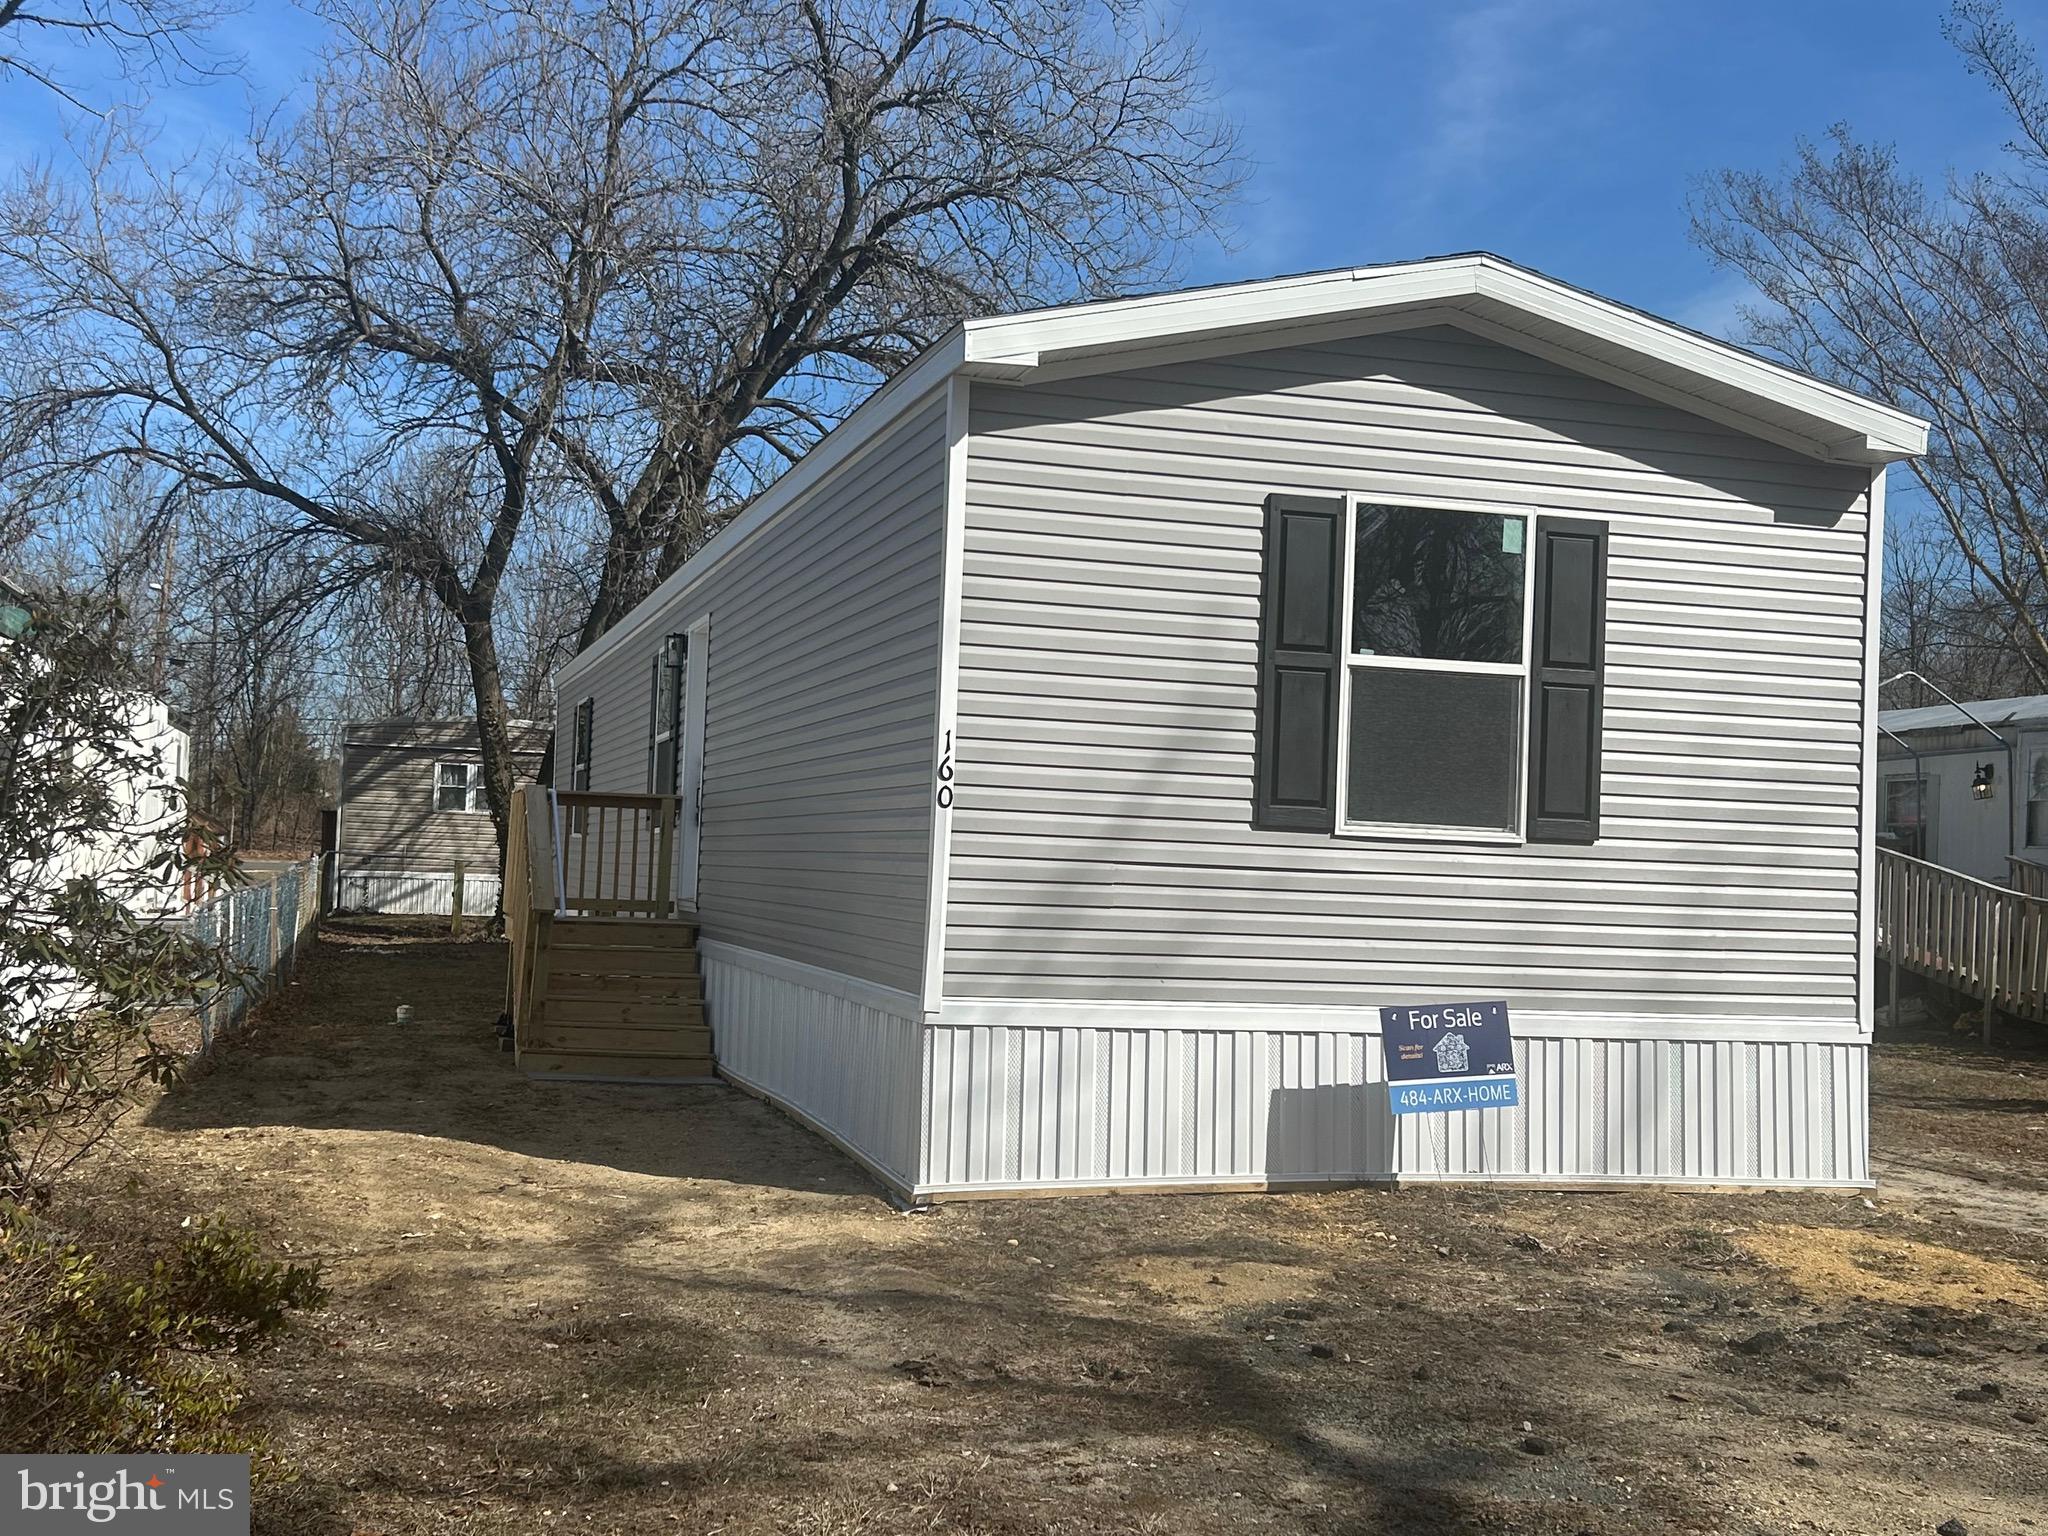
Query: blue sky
[(1564, 134), (1561, 133)]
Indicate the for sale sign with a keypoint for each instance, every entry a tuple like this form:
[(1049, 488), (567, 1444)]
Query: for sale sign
[(1449, 1056)]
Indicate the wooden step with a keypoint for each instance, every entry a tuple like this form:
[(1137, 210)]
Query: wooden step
[(642, 1012), (625, 1040), (625, 932), (622, 985), (613, 1066), (682, 990), (614, 960)]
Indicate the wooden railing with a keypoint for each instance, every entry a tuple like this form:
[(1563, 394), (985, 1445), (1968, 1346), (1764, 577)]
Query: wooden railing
[(530, 903), (615, 854), (571, 854), (2027, 876), (1971, 936)]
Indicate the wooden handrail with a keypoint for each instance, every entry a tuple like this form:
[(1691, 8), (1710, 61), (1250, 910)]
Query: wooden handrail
[(586, 797)]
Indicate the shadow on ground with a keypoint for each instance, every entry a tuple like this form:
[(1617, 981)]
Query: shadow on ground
[(328, 1055)]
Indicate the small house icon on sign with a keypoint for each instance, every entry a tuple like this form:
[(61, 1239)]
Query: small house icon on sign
[(1453, 1054)]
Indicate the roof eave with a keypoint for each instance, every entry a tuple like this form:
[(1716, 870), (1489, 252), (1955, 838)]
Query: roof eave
[(1484, 294)]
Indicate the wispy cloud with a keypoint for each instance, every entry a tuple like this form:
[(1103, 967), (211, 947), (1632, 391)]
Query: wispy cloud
[(1716, 308), (1509, 81), (1481, 88)]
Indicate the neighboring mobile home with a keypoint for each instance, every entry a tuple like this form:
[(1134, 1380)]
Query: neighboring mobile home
[(412, 810), (1090, 735), (1966, 788)]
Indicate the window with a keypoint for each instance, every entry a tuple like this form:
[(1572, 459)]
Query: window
[(665, 716), (1429, 672), (2037, 798), (459, 787), (1908, 815), (1436, 676)]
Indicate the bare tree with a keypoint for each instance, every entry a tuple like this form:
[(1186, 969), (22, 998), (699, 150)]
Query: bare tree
[(617, 258), (159, 37), (1936, 301)]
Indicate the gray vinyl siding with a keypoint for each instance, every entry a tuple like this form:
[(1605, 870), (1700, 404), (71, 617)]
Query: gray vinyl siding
[(1102, 846), (822, 686)]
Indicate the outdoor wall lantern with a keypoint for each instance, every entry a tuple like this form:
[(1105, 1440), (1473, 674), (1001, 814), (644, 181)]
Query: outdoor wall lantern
[(1980, 786)]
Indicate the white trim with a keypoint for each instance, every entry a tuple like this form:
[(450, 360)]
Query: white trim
[(843, 446), (1529, 1024), (1434, 664), (696, 678), (1872, 811), (869, 994), (1349, 659), (1827, 421), (1399, 831), (473, 788), (946, 711)]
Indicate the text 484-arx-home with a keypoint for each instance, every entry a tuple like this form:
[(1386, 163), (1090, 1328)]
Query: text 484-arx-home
[(1077, 750)]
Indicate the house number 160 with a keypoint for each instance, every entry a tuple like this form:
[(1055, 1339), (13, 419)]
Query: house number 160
[(946, 774)]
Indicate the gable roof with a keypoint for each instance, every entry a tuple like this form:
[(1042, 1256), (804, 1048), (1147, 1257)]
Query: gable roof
[(1477, 291)]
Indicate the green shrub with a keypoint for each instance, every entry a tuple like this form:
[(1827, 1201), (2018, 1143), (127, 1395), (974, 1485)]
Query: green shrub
[(93, 1359)]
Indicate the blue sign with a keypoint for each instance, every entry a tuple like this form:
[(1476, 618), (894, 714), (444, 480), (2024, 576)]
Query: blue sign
[(1449, 1056)]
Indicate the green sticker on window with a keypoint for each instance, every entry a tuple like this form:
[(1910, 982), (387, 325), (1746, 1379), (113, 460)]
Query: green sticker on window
[(1511, 536)]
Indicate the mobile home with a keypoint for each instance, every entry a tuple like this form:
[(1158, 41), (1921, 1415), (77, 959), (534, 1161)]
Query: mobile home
[(1965, 785), (1082, 744), (411, 812)]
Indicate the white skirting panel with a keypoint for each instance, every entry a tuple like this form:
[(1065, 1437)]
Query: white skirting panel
[(413, 893), (1033, 1106), (839, 1051)]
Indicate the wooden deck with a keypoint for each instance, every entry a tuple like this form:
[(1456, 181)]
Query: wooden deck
[(1981, 940), (604, 982)]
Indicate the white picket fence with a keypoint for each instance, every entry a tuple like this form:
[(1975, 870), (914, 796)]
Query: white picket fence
[(412, 893)]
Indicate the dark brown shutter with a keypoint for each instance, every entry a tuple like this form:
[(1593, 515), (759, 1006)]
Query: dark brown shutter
[(1565, 687), (1300, 646)]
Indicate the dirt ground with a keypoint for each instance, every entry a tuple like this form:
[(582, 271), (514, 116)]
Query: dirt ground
[(579, 1308)]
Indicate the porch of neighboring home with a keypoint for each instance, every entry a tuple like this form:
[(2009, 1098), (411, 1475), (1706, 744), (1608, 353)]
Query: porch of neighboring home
[(1982, 941), (604, 981)]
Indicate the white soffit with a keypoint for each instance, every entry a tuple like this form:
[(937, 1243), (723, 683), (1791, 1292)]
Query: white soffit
[(1481, 293)]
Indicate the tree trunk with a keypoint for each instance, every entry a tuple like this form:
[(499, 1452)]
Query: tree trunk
[(494, 729)]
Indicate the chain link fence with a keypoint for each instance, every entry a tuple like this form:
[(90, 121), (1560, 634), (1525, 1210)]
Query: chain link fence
[(261, 927)]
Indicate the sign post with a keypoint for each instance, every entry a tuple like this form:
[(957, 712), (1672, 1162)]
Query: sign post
[(1449, 1056)]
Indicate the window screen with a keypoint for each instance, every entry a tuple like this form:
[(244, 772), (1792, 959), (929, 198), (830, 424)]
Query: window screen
[(459, 787), (1434, 749), (1437, 585)]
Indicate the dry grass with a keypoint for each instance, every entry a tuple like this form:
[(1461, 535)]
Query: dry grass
[(567, 1308)]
